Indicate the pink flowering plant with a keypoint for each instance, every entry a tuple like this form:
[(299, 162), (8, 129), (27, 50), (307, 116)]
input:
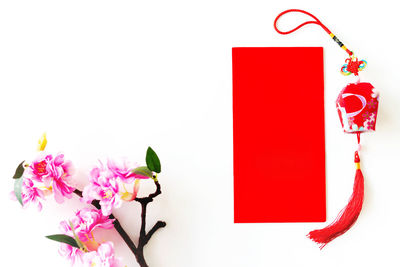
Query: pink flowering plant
[(46, 175), (107, 184), (78, 242), (52, 175)]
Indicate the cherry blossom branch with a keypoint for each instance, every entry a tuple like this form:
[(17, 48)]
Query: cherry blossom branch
[(143, 236), (151, 196), (117, 225), (158, 225), (26, 191)]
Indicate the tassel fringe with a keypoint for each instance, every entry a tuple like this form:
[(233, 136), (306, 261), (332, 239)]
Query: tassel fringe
[(347, 216)]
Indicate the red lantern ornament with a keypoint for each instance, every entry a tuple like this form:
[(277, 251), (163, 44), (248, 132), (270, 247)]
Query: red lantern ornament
[(357, 105)]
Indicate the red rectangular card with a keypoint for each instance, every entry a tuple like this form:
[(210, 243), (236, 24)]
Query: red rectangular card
[(278, 134)]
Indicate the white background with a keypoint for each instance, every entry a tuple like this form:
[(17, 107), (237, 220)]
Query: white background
[(109, 78)]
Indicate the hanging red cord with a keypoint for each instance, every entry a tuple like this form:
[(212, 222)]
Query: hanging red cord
[(349, 214), (315, 21)]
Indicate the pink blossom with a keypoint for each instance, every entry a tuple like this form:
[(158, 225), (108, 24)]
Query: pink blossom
[(104, 187), (31, 194), (73, 254), (60, 171), (54, 173), (84, 222), (123, 171), (104, 257), (38, 167)]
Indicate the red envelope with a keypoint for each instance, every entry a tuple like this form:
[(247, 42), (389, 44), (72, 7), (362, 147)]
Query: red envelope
[(278, 134)]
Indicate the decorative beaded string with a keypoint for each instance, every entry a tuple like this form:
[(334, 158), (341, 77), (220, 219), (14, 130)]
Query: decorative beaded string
[(352, 66)]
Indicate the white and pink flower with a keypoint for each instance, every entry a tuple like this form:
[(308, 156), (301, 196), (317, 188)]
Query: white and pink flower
[(104, 257), (73, 254), (31, 194), (84, 223), (103, 186), (54, 173), (107, 184)]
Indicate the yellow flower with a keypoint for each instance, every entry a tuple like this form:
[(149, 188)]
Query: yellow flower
[(42, 142)]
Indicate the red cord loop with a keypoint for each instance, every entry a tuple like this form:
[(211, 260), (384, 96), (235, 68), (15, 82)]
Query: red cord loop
[(315, 21)]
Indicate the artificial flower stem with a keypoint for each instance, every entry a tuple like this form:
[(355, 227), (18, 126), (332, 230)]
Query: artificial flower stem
[(143, 226), (78, 241), (143, 237)]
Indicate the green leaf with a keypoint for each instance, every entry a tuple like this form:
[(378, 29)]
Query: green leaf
[(144, 171), (152, 161), (18, 189), (64, 239), (19, 171)]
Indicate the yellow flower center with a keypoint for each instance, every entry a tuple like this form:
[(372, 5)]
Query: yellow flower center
[(108, 194)]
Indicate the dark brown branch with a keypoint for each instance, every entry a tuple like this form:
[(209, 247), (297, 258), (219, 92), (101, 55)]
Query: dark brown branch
[(150, 197), (124, 235), (143, 237), (158, 225)]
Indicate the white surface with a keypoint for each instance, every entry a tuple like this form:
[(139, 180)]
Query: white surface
[(109, 78)]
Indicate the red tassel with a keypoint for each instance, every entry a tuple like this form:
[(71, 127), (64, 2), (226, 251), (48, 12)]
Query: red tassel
[(347, 216)]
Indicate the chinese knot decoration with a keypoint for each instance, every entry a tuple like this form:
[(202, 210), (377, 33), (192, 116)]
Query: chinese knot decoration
[(357, 105), (353, 66)]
